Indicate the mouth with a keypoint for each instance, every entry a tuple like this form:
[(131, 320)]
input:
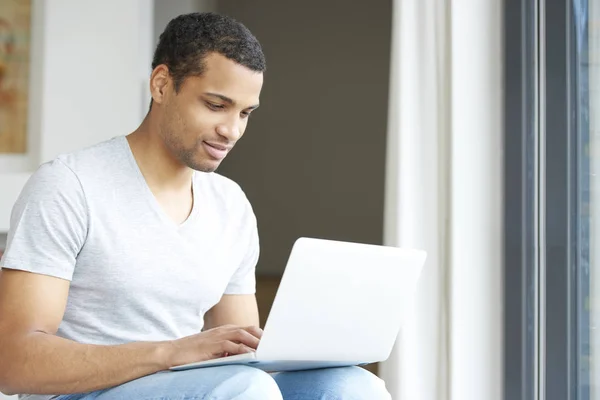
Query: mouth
[(216, 150)]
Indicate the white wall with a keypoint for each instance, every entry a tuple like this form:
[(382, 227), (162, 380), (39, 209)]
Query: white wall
[(91, 83), (90, 63)]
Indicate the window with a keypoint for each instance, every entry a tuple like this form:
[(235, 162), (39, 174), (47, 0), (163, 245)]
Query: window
[(552, 209)]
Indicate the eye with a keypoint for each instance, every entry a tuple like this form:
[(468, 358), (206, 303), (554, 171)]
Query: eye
[(214, 106), (246, 114)]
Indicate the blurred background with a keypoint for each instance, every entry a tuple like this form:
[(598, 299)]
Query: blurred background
[(465, 128)]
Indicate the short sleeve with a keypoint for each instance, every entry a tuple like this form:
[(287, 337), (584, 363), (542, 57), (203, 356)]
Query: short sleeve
[(48, 224), (244, 279)]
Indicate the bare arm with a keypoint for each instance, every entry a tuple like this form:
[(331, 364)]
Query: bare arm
[(34, 360), (235, 309)]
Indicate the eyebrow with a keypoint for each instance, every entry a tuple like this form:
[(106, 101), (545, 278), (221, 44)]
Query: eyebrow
[(229, 101)]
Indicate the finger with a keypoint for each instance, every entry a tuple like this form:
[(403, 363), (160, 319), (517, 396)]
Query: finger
[(230, 348), (244, 337), (254, 330)]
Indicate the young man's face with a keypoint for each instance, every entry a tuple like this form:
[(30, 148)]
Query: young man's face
[(209, 114)]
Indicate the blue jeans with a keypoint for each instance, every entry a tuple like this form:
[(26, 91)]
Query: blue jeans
[(246, 383)]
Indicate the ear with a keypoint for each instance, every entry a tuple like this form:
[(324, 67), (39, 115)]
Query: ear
[(160, 80)]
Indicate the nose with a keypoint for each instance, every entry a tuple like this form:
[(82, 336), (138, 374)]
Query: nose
[(230, 130)]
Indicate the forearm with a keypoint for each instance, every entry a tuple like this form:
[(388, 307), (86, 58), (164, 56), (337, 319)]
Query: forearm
[(41, 363), (240, 310)]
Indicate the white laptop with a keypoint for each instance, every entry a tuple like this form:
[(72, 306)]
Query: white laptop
[(338, 304)]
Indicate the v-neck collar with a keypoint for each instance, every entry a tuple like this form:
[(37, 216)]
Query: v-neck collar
[(152, 200)]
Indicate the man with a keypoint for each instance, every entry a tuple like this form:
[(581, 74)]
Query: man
[(132, 256)]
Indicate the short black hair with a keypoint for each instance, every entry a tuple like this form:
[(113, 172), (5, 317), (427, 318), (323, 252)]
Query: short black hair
[(189, 38)]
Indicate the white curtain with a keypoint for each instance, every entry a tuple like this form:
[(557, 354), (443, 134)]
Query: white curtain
[(444, 194)]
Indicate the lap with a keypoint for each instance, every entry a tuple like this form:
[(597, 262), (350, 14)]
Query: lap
[(224, 382), (348, 383), (242, 382)]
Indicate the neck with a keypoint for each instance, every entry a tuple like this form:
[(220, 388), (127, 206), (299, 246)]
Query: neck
[(160, 168)]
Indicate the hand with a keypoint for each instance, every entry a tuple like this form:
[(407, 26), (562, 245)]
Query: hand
[(218, 342)]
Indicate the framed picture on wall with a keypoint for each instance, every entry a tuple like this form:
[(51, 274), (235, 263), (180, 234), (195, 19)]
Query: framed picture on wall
[(15, 35)]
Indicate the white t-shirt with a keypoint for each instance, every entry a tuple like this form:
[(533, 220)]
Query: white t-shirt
[(136, 275)]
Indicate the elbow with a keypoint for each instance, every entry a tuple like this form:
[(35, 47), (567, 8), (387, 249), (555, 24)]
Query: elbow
[(6, 382), (7, 379)]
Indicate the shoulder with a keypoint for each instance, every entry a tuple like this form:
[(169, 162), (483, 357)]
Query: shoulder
[(224, 187), (63, 176), (95, 158), (228, 193), (50, 178)]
